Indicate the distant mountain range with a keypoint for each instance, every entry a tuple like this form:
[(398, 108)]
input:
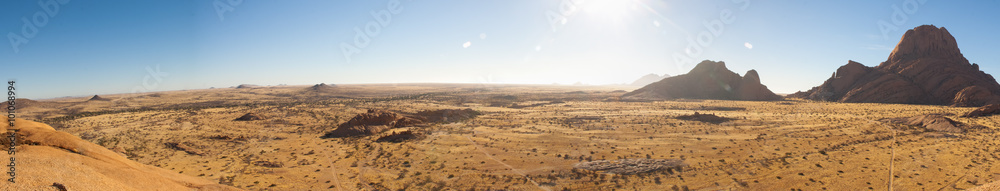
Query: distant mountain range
[(648, 79), (926, 67)]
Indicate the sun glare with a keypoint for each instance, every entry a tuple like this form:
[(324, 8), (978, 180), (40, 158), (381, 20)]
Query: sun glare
[(610, 9)]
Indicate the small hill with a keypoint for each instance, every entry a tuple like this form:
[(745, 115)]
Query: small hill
[(20, 103), (249, 117), (649, 79), (926, 67), (708, 80), (370, 123), (49, 159), (98, 98), (242, 86), (322, 87)]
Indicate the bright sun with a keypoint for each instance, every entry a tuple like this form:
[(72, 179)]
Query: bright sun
[(611, 9)]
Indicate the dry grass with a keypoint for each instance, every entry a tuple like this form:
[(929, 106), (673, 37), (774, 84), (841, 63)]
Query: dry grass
[(529, 137)]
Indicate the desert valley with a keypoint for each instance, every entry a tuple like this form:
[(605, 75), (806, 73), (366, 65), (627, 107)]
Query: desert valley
[(923, 120), (527, 138)]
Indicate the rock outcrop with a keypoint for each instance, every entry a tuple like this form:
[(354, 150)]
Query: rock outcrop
[(935, 122), (249, 117), (708, 118), (48, 159), (983, 111), (708, 80), (751, 88), (376, 121), (926, 67), (370, 123)]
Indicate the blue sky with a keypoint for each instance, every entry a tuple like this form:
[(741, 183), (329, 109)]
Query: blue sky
[(121, 46)]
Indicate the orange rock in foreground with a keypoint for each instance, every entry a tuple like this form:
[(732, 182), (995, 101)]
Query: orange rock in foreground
[(46, 157)]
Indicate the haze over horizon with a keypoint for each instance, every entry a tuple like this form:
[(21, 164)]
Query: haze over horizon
[(106, 47)]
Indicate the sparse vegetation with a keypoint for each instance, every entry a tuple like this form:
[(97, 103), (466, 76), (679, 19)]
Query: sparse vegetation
[(533, 138)]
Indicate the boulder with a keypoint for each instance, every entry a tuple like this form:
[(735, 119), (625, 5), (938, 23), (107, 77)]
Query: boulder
[(986, 110)]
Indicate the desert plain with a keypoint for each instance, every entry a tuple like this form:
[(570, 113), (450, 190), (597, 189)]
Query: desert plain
[(528, 137)]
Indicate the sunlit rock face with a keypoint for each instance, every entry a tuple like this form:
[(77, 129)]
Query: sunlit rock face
[(48, 159), (926, 67)]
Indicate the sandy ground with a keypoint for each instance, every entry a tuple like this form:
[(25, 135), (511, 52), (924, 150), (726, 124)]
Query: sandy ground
[(528, 138)]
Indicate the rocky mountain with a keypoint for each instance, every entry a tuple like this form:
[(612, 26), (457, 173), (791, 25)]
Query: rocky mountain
[(708, 80), (926, 67), (649, 79)]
